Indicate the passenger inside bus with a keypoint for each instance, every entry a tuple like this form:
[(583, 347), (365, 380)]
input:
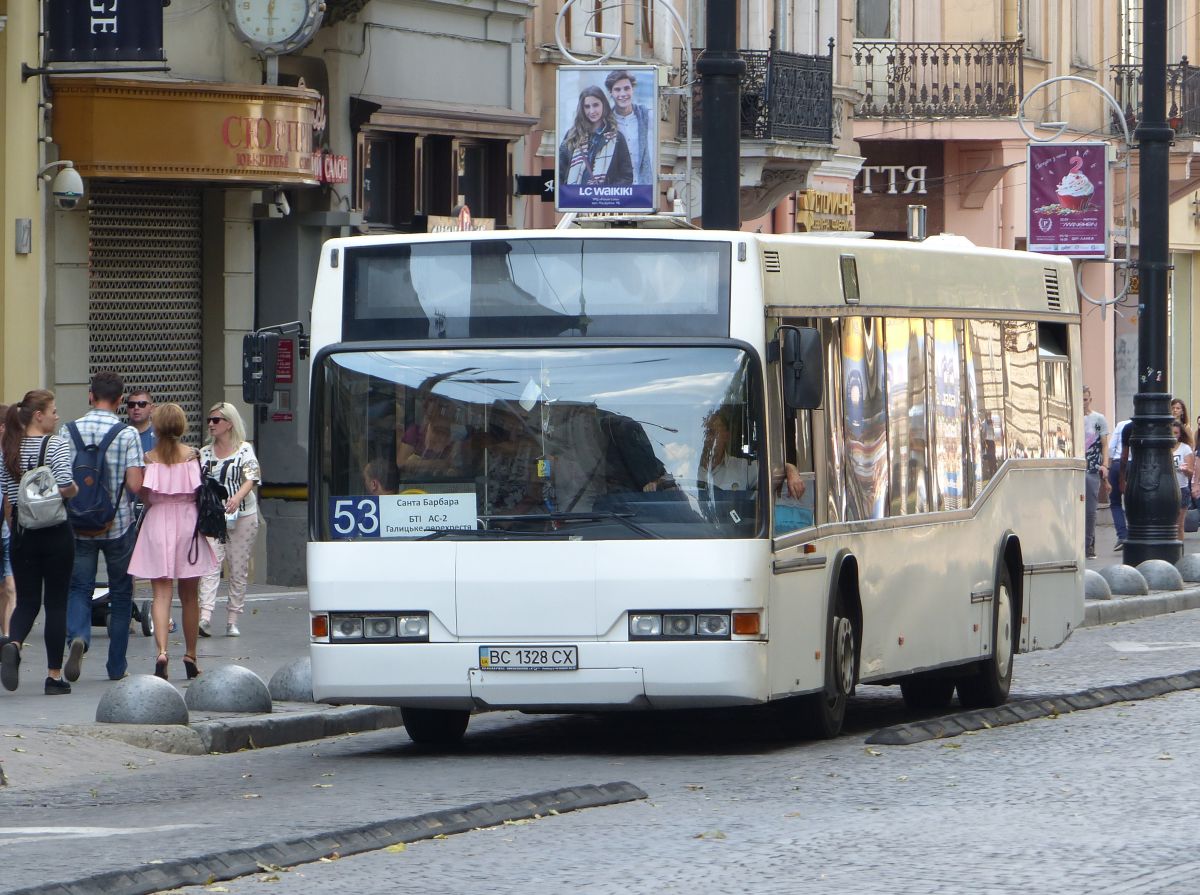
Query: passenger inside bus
[(437, 444), (512, 485), (380, 476)]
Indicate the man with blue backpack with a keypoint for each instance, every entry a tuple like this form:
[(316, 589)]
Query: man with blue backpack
[(107, 464)]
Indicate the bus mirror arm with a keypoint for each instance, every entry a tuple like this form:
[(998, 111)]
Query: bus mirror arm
[(798, 348)]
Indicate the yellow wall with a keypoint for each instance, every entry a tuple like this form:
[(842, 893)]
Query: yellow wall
[(21, 362)]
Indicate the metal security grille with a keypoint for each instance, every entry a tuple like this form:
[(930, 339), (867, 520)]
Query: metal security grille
[(144, 274)]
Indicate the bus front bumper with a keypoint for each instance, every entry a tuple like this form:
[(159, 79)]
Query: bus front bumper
[(625, 675)]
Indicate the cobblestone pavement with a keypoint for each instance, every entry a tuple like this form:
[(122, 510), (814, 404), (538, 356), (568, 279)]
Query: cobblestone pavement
[(1088, 803), (1085, 802)]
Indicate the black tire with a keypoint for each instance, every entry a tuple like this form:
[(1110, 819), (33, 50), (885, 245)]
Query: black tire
[(147, 622), (989, 683), (821, 715), (435, 727), (925, 693)]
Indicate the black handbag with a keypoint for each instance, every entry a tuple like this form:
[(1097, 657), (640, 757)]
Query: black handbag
[(210, 515)]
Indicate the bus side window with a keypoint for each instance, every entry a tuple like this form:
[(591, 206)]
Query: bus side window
[(794, 512)]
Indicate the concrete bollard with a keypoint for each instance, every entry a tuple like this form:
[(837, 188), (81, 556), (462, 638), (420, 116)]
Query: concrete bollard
[(293, 682), (142, 699), (1189, 567), (229, 688), (1095, 587), (1125, 581), (1160, 575)]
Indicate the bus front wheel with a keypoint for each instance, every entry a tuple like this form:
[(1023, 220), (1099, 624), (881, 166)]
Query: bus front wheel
[(435, 727), (988, 686), (824, 713)]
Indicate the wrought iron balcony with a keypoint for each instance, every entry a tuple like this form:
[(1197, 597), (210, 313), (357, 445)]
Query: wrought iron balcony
[(938, 80), (785, 96), (1183, 97)]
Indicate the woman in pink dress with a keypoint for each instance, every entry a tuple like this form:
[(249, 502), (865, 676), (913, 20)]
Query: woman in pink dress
[(168, 548)]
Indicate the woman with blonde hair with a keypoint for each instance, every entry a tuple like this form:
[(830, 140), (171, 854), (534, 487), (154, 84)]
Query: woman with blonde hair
[(42, 557), (230, 459), (168, 547)]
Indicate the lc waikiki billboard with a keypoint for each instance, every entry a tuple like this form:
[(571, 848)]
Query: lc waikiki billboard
[(607, 125), (1069, 199)]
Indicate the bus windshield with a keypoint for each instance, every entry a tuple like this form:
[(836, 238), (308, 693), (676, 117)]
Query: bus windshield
[(586, 442)]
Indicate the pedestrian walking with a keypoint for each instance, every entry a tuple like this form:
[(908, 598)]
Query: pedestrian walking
[(1095, 452), (1184, 459), (169, 549), (1118, 453), (102, 517), (8, 587), (230, 459), (42, 555)]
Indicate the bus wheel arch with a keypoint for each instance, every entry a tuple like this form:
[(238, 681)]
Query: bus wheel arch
[(989, 683), (824, 712)]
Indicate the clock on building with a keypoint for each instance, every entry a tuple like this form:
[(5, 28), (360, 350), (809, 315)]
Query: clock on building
[(274, 27)]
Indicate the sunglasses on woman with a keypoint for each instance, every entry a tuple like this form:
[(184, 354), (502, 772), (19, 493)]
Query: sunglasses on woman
[(213, 420)]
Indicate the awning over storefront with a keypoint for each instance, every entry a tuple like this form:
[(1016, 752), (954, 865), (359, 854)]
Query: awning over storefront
[(185, 130), (451, 119)]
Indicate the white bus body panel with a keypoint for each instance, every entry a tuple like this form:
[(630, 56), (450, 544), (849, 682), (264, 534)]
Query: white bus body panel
[(561, 592)]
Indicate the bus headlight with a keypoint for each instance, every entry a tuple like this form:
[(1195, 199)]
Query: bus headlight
[(380, 627), (347, 627), (645, 625), (412, 627), (712, 625), (675, 625)]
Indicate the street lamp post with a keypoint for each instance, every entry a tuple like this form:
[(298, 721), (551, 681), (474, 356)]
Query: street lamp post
[(1151, 492), (721, 69)]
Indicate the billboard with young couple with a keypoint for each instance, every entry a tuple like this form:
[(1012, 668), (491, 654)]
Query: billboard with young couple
[(607, 126)]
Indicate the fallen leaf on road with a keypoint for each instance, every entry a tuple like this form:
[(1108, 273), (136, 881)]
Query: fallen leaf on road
[(1166, 756), (15, 736), (273, 878), (693, 786), (711, 834), (870, 751), (18, 749), (251, 795), (398, 847), (271, 868), (951, 745), (217, 889), (903, 778), (518, 822), (322, 786), (793, 814)]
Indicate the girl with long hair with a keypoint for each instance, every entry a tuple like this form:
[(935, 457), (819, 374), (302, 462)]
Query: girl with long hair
[(42, 557), (594, 151), (168, 549), (1184, 459), (229, 458)]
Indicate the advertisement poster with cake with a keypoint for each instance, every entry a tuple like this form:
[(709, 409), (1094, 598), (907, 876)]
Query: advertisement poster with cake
[(1069, 199)]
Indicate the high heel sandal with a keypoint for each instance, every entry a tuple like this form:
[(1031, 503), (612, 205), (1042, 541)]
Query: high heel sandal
[(189, 665), (160, 666)]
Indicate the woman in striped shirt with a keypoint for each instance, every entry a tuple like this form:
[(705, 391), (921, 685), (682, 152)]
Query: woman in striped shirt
[(42, 558)]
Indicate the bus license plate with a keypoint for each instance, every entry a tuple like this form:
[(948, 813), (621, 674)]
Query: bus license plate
[(529, 658)]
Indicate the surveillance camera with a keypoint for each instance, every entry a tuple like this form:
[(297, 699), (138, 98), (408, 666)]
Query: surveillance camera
[(67, 189), (281, 204)]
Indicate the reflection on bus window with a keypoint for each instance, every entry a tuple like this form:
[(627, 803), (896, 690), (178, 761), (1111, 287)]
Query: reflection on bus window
[(865, 418), (1023, 409), (907, 425), (985, 397), (947, 416)]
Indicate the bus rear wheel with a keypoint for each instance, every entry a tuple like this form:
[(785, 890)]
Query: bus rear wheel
[(435, 727), (990, 683)]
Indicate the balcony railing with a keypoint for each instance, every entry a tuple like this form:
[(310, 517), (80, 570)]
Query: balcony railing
[(785, 96), (938, 80), (1183, 97)]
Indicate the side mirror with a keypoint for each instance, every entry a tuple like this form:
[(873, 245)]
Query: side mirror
[(259, 352), (800, 367)]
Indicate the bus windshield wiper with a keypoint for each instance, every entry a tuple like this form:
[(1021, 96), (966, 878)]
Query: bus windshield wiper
[(589, 516), (481, 532)]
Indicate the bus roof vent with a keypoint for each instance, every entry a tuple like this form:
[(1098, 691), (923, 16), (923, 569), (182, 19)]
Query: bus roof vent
[(1053, 297), (771, 262)]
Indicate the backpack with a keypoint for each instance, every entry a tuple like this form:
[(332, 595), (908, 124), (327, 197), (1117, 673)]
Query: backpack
[(39, 502), (92, 510)]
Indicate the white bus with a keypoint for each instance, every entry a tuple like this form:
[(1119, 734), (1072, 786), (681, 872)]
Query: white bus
[(625, 469)]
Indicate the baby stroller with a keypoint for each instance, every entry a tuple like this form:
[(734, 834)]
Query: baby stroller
[(102, 614)]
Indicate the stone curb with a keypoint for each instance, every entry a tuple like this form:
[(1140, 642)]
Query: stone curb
[(1028, 709), (1123, 609), (226, 865), (250, 732)]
